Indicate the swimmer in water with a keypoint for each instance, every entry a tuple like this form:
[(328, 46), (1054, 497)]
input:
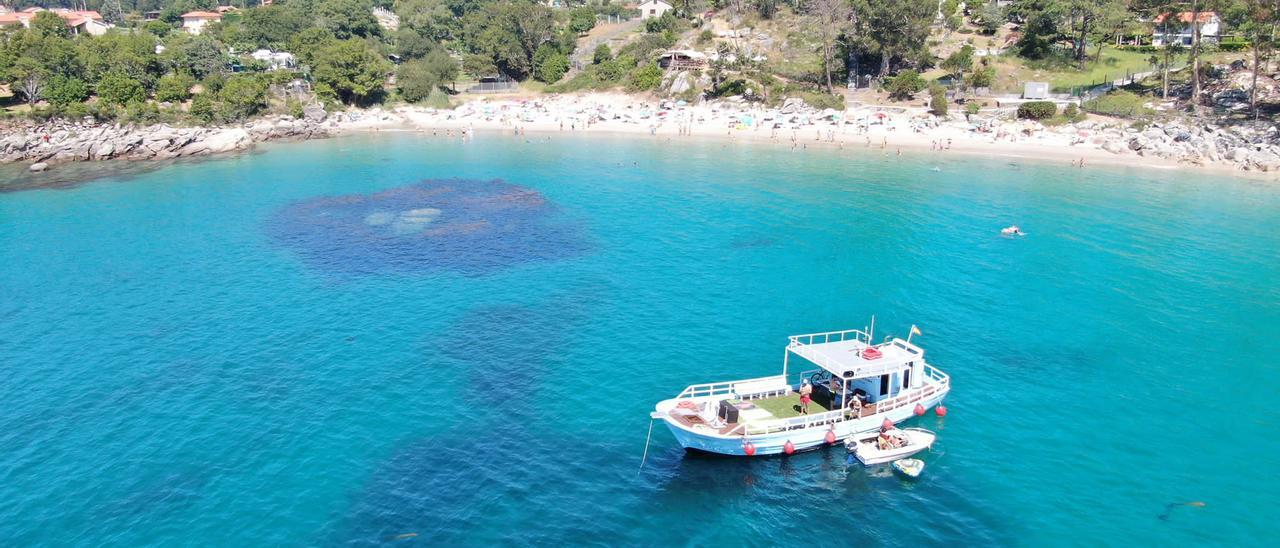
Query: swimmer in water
[(1168, 508), (1012, 231)]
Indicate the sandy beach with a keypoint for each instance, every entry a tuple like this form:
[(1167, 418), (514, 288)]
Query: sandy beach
[(891, 130)]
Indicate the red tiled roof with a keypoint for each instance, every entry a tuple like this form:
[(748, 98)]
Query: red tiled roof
[(1185, 17), (201, 15)]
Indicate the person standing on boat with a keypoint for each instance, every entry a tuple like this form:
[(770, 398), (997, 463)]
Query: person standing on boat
[(806, 396)]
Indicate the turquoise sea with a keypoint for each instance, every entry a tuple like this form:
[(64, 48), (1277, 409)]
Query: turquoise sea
[(347, 342)]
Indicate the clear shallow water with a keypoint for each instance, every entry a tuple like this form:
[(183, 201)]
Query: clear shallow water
[(185, 360)]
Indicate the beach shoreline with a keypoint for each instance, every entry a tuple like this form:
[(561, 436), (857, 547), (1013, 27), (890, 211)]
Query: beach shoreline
[(863, 128)]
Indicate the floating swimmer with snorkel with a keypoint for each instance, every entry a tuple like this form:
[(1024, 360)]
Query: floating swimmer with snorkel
[(1012, 230)]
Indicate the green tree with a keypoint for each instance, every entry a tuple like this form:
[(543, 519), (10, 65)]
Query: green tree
[(992, 17), (645, 78), (201, 55), (29, 79), (49, 24), (410, 44), (959, 62), (347, 18), (305, 44), (437, 20), (174, 87), (159, 29), (897, 29), (509, 34), (117, 88), (442, 66), (905, 85), (416, 80), (582, 19), (552, 67), (351, 70), (241, 97), (65, 91), (831, 18), (273, 26), (202, 108), (937, 100), (602, 54)]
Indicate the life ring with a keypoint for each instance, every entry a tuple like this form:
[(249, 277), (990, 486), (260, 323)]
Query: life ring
[(871, 353)]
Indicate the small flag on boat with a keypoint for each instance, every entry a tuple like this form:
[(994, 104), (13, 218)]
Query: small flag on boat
[(915, 330)]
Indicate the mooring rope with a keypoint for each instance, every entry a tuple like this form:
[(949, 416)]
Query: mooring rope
[(646, 446)]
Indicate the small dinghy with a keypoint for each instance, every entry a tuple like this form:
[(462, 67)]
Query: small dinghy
[(910, 468), (889, 445)]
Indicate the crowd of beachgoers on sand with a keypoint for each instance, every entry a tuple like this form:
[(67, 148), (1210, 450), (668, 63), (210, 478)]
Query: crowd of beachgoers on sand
[(888, 130)]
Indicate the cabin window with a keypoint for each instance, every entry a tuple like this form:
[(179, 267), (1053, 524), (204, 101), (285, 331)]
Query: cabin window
[(884, 385), (906, 378)]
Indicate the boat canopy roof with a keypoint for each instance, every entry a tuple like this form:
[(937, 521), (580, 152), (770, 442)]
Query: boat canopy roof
[(843, 353)]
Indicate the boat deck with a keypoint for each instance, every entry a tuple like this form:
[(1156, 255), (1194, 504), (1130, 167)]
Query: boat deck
[(776, 407)]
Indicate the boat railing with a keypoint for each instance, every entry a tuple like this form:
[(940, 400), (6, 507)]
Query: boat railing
[(904, 399), (791, 423), (830, 336), (936, 375), (721, 388)]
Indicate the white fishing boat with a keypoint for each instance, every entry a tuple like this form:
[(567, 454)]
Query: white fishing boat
[(889, 445), (856, 387)]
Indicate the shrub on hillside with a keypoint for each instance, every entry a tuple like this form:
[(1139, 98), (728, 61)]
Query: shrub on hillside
[(938, 100), (174, 88), (64, 91), (645, 78), (905, 85), (1037, 110), (1125, 104), (119, 88)]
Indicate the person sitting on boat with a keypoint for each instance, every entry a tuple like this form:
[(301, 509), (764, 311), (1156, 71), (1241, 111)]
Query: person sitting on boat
[(855, 404), (806, 396)]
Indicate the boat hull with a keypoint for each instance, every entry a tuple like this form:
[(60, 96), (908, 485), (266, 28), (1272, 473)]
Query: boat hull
[(801, 439)]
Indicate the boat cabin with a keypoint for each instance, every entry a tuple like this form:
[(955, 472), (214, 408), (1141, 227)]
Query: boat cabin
[(851, 367)]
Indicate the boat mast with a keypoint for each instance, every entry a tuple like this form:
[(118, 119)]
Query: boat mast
[(871, 335), (786, 354)]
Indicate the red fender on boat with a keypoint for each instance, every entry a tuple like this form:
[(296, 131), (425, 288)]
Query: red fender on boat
[(919, 410), (749, 448), (940, 410), (788, 448), (831, 437)]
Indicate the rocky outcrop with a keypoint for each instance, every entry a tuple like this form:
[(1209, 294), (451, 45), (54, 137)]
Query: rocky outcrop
[(1253, 147), (67, 141)]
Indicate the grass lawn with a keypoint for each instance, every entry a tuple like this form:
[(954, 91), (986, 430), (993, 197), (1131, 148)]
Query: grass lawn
[(1064, 75), (789, 406)]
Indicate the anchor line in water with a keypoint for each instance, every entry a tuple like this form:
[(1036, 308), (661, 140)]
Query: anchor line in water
[(646, 447)]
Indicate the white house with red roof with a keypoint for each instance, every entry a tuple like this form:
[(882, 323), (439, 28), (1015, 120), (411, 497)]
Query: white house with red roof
[(1179, 30), (86, 21), (195, 21)]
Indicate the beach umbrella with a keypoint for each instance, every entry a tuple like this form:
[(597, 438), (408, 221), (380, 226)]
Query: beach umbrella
[(881, 115)]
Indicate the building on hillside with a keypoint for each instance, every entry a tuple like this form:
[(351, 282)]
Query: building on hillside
[(275, 60), (5, 9), (1179, 30), (1035, 90), (682, 59), (150, 16), (195, 21), (653, 8), (79, 21)]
